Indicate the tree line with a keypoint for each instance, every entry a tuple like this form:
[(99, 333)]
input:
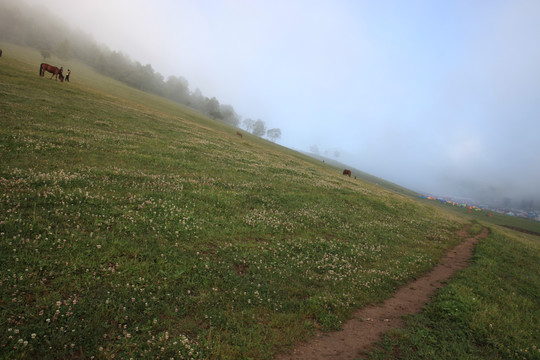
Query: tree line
[(37, 28)]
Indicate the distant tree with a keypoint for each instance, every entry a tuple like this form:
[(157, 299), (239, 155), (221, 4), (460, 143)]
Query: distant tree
[(63, 50), (229, 115), (101, 63), (248, 124), (259, 128), (314, 149), (151, 81), (132, 74), (120, 67), (198, 101), (45, 54), (212, 108), (158, 84), (177, 89), (273, 134), (89, 51)]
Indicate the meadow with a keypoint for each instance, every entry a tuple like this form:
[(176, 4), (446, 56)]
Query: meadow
[(488, 311), (132, 227)]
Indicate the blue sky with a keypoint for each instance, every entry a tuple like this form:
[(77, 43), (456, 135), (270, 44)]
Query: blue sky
[(440, 96)]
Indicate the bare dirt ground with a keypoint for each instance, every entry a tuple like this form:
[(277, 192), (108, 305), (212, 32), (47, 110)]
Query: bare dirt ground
[(368, 324)]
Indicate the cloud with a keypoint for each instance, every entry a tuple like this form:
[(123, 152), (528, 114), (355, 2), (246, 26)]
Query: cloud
[(467, 150)]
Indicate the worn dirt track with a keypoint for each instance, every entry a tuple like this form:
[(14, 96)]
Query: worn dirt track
[(368, 324)]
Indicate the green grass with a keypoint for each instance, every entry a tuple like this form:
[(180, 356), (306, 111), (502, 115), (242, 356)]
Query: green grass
[(132, 226), (475, 229), (359, 174), (489, 311)]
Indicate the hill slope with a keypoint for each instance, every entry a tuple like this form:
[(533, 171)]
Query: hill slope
[(133, 226), (359, 174)]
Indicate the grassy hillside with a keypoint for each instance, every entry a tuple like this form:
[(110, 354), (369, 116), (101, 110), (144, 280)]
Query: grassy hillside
[(489, 311), (133, 227), (359, 174), (491, 217)]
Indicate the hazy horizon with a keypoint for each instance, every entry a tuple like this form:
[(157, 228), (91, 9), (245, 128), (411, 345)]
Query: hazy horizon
[(441, 98)]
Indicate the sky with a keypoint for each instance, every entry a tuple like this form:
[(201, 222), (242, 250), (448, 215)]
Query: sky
[(442, 97)]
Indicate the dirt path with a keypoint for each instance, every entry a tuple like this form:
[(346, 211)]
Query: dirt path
[(370, 323)]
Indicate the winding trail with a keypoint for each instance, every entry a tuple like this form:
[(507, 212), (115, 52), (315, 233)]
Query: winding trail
[(368, 324)]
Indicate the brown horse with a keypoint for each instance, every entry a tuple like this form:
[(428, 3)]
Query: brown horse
[(52, 69), (239, 133), (347, 172)]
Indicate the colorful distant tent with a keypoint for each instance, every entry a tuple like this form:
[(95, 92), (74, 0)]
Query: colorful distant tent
[(470, 208)]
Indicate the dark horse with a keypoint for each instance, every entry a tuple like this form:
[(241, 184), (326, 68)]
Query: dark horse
[(347, 172), (52, 69)]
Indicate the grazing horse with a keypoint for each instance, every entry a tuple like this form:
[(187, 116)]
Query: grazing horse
[(52, 69), (347, 172), (239, 133)]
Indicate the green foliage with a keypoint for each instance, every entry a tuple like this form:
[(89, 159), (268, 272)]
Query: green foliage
[(490, 311), (259, 128)]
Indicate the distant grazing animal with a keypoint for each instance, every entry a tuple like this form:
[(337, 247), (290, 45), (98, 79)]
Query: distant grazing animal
[(0, 52), (52, 69), (347, 172), (239, 133)]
